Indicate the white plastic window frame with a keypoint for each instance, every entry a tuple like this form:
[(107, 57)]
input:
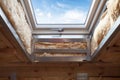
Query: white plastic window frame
[(94, 12)]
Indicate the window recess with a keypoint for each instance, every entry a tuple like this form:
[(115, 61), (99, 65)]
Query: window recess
[(92, 9)]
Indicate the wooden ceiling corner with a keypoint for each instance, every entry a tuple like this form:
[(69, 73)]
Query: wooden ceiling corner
[(10, 50)]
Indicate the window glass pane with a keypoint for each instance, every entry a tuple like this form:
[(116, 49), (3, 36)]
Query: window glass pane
[(61, 11)]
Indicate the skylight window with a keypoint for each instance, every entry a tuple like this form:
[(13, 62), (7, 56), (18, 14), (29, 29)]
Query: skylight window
[(61, 11), (62, 16)]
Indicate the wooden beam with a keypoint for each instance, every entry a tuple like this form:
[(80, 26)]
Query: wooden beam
[(60, 64), (60, 69), (53, 72)]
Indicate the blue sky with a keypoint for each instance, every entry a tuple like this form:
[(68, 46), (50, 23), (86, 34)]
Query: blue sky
[(61, 11)]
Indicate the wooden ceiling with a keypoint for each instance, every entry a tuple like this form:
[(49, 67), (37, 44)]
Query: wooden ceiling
[(105, 66)]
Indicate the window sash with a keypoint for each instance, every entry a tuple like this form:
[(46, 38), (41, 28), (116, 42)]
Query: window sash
[(94, 13)]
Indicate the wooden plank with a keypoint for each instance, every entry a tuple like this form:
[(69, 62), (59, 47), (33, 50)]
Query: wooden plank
[(62, 72), (111, 54), (9, 36), (60, 69), (116, 40), (114, 49), (103, 78), (63, 78), (4, 42), (61, 64), (8, 55), (4, 78)]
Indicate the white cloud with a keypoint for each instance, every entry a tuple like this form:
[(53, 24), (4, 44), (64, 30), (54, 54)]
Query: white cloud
[(61, 5), (37, 10), (49, 15), (70, 16), (39, 13), (73, 14)]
